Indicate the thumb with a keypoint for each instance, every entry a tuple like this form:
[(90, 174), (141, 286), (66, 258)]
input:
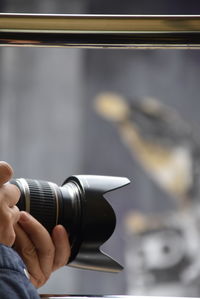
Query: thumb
[(6, 172)]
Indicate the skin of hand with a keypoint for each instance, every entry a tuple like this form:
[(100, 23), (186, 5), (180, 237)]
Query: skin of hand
[(41, 252), (9, 213)]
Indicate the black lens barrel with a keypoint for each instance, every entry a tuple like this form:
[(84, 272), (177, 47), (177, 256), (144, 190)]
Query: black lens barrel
[(40, 202)]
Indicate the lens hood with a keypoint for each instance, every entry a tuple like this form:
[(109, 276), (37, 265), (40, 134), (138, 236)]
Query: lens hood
[(98, 221)]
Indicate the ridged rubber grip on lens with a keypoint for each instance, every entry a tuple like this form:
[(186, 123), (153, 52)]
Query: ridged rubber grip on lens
[(43, 204)]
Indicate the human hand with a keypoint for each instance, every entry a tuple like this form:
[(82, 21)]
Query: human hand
[(41, 252), (9, 213)]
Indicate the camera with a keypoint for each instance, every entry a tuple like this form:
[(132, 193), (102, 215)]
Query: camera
[(79, 205)]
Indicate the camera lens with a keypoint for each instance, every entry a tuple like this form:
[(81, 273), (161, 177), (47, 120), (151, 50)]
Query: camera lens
[(80, 207)]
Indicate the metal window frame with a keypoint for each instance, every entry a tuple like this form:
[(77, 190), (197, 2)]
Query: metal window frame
[(100, 31)]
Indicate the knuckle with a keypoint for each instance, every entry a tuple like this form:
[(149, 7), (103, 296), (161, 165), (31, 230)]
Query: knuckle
[(28, 251)]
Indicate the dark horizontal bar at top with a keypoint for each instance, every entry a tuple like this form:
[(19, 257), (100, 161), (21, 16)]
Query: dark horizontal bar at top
[(100, 31)]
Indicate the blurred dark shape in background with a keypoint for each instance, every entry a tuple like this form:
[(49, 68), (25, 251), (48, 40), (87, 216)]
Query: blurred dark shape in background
[(165, 145), (162, 249)]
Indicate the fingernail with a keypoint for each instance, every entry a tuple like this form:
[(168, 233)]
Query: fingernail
[(24, 217), (59, 228)]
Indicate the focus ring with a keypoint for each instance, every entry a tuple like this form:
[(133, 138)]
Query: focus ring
[(42, 203)]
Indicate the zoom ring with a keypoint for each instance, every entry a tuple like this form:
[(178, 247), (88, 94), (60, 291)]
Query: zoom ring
[(42, 203)]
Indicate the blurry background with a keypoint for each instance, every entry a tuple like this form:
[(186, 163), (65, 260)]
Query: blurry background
[(49, 130)]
